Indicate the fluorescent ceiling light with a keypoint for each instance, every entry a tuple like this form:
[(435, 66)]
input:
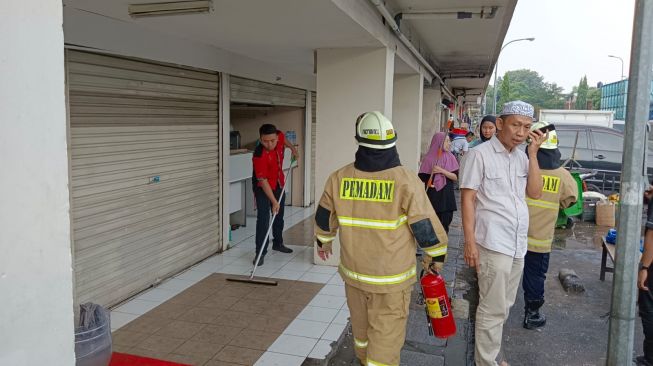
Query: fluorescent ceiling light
[(170, 8)]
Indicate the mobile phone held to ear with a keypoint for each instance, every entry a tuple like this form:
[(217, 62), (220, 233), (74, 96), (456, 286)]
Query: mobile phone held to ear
[(544, 130)]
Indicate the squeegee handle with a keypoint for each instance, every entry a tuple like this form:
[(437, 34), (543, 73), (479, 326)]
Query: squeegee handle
[(274, 215)]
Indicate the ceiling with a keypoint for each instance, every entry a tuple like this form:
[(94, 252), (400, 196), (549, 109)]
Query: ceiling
[(463, 50), (286, 32), (283, 32)]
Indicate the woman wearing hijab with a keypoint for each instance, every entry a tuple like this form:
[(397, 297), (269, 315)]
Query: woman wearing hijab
[(439, 169), (488, 129)]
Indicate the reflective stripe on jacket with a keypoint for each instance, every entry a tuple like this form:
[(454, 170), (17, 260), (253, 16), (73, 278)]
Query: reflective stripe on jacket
[(379, 217), (559, 190)]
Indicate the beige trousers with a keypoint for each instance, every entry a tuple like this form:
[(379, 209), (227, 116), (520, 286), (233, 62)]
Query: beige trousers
[(498, 280), (378, 322)]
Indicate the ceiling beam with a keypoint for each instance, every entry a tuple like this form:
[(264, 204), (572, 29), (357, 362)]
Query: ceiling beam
[(363, 13)]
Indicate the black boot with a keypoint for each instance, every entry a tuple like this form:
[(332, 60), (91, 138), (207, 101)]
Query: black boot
[(281, 248), (641, 361), (647, 359), (260, 261), (533, 319)]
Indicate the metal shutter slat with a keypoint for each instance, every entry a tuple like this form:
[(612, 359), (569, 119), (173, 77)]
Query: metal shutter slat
[(132, 120), (126, 63), (258, 92)]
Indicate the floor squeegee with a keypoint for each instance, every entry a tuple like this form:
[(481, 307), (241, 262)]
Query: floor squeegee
[(251, 278)]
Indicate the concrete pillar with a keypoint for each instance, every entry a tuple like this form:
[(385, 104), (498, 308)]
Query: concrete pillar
[(36, 283), (431, 117), (407, 117), (349, 82)]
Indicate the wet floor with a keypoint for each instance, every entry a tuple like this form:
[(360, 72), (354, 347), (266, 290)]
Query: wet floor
[(582, 235), (576, 333)]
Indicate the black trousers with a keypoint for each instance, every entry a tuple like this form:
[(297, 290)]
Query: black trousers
[(263, 215), (445, 219), (535, 267), (646, 313)]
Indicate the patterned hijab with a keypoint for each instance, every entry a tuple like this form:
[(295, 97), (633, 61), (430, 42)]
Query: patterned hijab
[(438, 156)]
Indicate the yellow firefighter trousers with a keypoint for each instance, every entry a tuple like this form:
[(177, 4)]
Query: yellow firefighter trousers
[(378, 322)]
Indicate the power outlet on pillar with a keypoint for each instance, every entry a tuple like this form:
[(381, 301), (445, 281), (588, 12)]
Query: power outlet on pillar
[(334, 259)]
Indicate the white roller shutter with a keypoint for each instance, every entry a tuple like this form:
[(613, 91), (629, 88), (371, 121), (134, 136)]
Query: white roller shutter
[(258, 92), (144, 184)]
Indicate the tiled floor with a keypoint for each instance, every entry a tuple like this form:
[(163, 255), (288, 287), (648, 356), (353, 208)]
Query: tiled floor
[(224, 321), (293, 216), (301, 233), (199, 318)]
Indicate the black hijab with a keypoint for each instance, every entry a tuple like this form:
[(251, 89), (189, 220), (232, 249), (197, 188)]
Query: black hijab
[(548, 158), (375, 160), (489, 118)]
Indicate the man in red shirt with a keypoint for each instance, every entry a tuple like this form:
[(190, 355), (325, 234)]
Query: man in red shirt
[(268, 180)]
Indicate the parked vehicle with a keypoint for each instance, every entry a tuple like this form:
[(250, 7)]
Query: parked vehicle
[(619, 125), (597, 148), (580, 117)]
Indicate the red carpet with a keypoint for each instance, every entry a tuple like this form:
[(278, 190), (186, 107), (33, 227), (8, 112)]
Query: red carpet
[(123, 359)]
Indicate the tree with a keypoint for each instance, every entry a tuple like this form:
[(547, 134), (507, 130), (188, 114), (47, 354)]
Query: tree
[(489, 102), (529, 86), (553, 97), (581, 97), (504, 92), (594, 95)]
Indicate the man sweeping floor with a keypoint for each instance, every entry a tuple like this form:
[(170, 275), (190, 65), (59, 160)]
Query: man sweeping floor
[(268, 179)]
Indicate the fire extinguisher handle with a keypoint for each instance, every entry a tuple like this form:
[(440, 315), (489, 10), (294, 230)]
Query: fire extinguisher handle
[(432, 269)]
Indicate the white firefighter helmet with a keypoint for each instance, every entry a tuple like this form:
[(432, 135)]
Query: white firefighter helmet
[(375, 131), (552, 140)]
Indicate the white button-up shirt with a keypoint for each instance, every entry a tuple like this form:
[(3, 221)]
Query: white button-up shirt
[(499, 178)]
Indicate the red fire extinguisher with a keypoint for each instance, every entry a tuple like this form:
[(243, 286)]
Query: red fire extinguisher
[(438, 306)]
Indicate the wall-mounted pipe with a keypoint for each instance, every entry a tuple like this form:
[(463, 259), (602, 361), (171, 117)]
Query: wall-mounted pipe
[(395, 28)]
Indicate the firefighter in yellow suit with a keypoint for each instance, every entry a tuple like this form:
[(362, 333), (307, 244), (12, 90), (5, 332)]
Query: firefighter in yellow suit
[(559, 190), (381, 212)]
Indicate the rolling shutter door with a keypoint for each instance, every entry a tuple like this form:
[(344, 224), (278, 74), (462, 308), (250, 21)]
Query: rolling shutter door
[(257, 92), (313, 143), (144, 172)]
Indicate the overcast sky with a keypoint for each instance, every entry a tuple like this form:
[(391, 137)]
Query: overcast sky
[(572, 38)]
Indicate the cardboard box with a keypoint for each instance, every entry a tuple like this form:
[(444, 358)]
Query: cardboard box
[(605, 213)]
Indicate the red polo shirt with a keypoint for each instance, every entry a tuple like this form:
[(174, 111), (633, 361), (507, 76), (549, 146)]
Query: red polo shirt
[(268, 164)]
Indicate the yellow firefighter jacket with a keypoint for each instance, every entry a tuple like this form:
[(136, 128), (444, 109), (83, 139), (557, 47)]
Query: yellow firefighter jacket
[(559, 190), (380, 217)]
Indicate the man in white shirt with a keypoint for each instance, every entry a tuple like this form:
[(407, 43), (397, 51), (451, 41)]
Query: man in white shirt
[(494, 179)]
